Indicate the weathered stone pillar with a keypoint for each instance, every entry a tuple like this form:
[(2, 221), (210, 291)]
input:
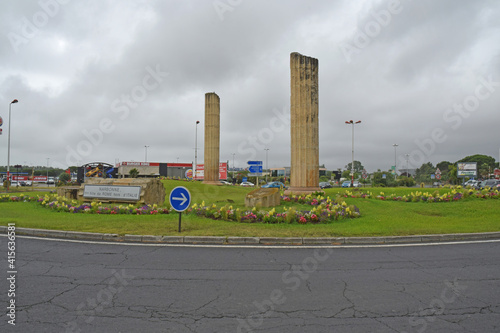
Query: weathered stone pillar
[(304, 125), (212, 139)]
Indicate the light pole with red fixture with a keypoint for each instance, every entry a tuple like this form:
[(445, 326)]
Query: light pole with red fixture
[(8, 148), (196, 150), (351, 122)]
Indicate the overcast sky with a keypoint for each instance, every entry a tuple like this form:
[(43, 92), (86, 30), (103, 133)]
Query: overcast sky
[(98, 80)]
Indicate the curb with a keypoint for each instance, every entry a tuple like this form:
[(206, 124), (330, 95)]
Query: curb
[(230, 240)]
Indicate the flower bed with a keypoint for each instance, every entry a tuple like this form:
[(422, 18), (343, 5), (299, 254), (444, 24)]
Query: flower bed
[(62, 204), (324, 210), (455, 194)]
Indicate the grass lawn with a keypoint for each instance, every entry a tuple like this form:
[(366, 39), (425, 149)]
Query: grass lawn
[(378, 217)]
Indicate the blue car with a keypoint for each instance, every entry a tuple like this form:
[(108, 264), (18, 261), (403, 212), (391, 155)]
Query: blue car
[(275, 185), (346, 184)]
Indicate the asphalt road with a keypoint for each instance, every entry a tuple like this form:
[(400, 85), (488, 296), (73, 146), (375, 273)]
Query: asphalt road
[(84, 287)]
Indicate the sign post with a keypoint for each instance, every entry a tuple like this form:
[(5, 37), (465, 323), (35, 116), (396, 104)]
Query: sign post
[(438, 174), (180, 199), (255, 168)]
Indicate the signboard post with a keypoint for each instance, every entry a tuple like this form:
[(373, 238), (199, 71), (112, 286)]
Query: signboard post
[(497, 173), (255, 168), (467, 169), (179, 199), (438, 174)]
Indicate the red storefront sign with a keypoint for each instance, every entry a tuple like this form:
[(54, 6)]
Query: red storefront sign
[(200, 171)]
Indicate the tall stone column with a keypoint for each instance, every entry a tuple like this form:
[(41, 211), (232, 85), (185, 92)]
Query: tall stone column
[(212, 139), (304, 125)]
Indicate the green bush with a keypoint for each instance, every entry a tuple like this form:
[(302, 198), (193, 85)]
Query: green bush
[(406, 181)]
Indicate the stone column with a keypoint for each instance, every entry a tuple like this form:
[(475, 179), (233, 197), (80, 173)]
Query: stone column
[(304, 125), (212, 139)]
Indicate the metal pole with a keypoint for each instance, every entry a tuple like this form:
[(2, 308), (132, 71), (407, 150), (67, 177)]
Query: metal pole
[(146, 154), (180, 218), (407, 172), (233, 166), (267, 165), (196, 150), (48, 158), (8, 147), (8, 154), (352, 165), (395, 162)]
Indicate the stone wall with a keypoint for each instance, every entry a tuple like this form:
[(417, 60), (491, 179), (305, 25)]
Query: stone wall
[(263, 197)]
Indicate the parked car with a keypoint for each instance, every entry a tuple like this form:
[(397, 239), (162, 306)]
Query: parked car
[(356, 184), (247, 184), (347, 183), (325, 185), (51, 180), (22, 183), (223, 182), (491, 183), (436, 184), (472, 183), (274, 185)]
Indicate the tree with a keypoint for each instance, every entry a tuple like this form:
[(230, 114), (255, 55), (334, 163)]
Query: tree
[(452, 175), (358, 167), (444, 167), (484, 170), (133, 173), (379, 180), (64, 178), (423, 174), (480, 159)]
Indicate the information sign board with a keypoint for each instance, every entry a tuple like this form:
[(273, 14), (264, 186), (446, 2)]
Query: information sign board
[(112, 192)]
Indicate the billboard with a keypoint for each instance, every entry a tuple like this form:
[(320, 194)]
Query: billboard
[(200, 171), (467, 169)]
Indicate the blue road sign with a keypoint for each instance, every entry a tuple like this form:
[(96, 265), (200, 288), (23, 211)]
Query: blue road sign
[(254, 162), (180, 198), (255, 169), (244, 179)]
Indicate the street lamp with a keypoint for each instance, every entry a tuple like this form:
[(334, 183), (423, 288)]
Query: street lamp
[(8, 147), (351, 122), (267, 165), (196, 150), (233, 166), (395, 162), (407, 157), (48, 158), (146, 156)]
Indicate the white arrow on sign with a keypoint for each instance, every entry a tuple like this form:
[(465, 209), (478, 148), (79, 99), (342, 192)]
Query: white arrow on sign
[(183, 199)]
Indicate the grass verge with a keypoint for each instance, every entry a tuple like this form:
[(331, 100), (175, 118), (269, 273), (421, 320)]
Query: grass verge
[(378, 217)]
